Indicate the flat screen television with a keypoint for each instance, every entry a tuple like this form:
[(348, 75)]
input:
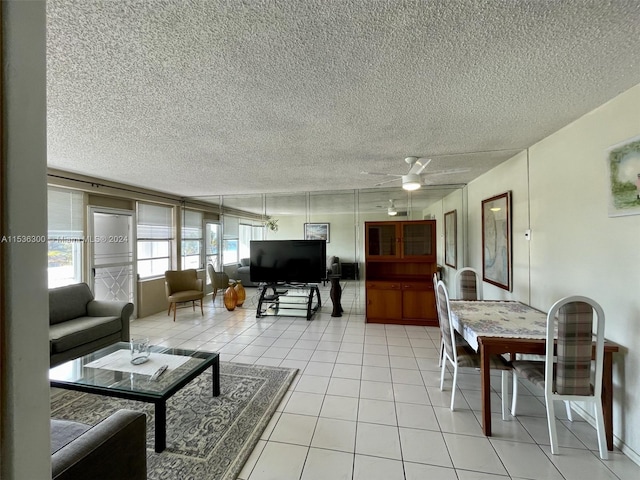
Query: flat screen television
[(288, 261)]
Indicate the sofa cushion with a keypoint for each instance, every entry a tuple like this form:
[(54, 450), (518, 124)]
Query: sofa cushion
[(68, 302), (64, 432), (245, 262), (79, 331)]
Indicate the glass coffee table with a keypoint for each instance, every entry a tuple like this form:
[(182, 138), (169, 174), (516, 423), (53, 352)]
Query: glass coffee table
[(109, 372)]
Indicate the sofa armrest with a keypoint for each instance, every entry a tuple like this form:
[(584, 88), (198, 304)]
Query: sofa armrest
[(114, 448), (109, 308)]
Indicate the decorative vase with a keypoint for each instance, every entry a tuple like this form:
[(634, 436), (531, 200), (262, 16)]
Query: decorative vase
[(230, 297), (240, 292)]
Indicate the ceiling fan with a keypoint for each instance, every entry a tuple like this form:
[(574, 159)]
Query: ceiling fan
[(413, 180)]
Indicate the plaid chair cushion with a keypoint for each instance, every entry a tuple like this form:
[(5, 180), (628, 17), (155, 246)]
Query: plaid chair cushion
[(573, 373), (468, 287), (467, 357), (533, 371)]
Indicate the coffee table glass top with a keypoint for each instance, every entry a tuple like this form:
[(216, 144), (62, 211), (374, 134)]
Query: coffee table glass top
[(110, 370)]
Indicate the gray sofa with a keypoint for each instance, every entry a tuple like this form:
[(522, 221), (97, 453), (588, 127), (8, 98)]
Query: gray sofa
[(114, 448), (242, 273), (78, 324)]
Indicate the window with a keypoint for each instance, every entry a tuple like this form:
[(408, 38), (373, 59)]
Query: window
[(212, 245), (65, 236), (230, 234), (155, 237), (192, 239), (248, 233)]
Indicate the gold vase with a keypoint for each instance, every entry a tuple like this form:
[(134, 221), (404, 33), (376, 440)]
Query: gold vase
[(241, 292), (230, 297)]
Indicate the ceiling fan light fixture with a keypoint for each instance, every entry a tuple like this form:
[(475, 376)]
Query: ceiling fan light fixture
[(411, 182), (391, 211)]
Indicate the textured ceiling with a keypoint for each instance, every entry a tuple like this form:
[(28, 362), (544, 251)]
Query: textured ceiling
[(208, 97)]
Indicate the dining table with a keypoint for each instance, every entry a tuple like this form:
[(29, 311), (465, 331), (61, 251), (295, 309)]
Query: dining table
[(511, 327)]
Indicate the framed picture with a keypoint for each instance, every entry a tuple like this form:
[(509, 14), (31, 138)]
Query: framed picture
[(623, 165), (316, 231), (450, 239), (496, 240)]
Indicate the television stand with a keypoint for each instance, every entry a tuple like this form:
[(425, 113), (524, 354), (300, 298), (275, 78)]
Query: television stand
[(289, 300)]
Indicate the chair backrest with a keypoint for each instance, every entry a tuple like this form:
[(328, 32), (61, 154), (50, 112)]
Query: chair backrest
[(218, 279), (468, 284), (444, 318), (575, 317), (181, 280)]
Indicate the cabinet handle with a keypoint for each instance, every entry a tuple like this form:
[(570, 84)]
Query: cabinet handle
[(406, 286)]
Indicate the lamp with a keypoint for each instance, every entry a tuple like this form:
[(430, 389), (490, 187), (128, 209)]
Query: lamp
[(411, 181)]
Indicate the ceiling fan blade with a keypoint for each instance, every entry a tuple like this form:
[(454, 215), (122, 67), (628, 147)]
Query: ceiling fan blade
[(419, 166), (447, 172), (381, 174), (387, 181)]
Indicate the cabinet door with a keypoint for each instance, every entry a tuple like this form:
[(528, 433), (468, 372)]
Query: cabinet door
[(419, 239), (384, 300), (418, 301), (381, 239)]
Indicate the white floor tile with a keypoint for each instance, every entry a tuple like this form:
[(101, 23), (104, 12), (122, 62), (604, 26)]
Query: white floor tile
[(377, 411), (473, 453), (410, 394), (376, 374), (270, 465), (339, 407), (328, 464), (334, 434), (293, 428), (378, 441), (312, 384), (343, 370), (412, 415), (525, 460), (375, 468), (424, 446), (304, 403), (416, 471), (376, 390), (346, 387)]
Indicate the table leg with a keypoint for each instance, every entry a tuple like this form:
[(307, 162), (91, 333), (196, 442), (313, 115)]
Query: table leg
[(215, 370), (607, 398), (161, 425), (485, 374)]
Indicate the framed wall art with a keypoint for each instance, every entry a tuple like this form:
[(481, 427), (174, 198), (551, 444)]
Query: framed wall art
[(316, 231), (450, 239), (496, 240), (623, 165)]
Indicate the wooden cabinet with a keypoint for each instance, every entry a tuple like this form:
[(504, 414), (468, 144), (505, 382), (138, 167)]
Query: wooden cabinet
[(400, 260), (401, 240)]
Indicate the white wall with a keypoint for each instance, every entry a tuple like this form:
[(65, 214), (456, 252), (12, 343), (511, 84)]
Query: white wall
[(559, 191), (577, 248), (24, 449)]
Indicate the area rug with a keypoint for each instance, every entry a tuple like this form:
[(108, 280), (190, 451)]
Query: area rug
[(208, 438)]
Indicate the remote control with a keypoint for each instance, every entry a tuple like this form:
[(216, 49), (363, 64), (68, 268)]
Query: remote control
[(159, 372)]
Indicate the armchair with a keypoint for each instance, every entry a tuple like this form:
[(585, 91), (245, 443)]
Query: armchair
[(219, 280), (183, 286)]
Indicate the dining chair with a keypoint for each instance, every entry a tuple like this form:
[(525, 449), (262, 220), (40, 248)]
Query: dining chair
[(219, 280), (460, 354), (183, 286), (568, 378), (468, 284)]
